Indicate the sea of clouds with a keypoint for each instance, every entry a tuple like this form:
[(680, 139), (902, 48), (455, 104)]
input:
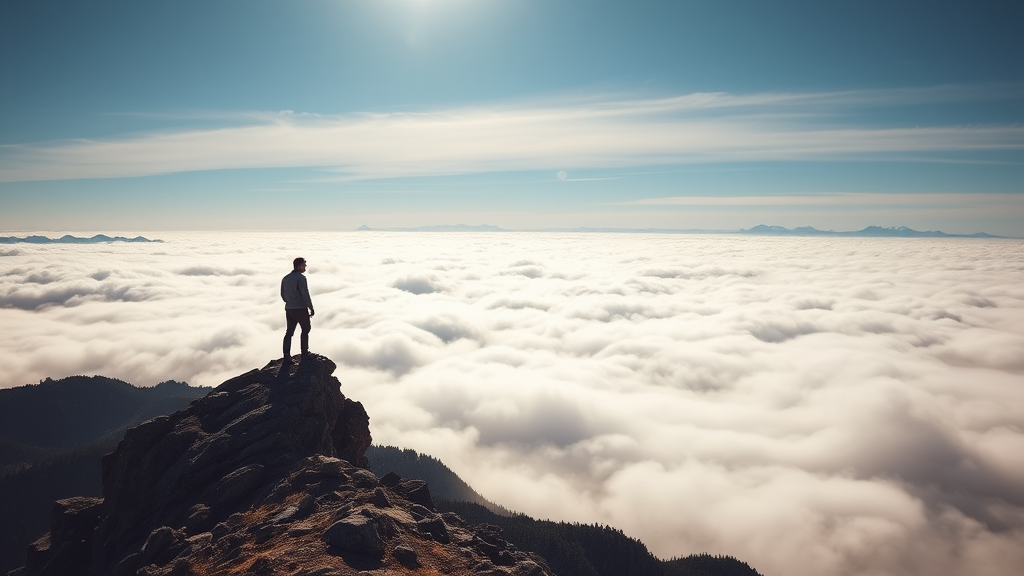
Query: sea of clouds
[(812, 406)]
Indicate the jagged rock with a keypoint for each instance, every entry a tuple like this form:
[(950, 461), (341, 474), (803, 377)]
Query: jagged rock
[(416, 491), (68, 545), (356, 534), (434, 526), (263, 476), (380, 499), (407, 556)]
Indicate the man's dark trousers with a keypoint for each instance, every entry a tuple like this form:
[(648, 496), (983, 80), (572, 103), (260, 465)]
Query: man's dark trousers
[(297, 316)]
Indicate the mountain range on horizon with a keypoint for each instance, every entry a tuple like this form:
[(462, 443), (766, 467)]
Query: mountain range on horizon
[(759, 230), (279, 443), (868, 232), (69, 239)]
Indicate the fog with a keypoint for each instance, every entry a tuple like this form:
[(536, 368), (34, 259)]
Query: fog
[(810, 406)]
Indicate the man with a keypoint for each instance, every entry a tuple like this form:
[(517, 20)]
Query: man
[(298, 308)]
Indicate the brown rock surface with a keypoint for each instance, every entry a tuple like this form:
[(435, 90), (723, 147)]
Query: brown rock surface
[(263, 476)]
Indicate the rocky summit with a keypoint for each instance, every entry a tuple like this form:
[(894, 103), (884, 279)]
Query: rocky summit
[(263, 476)]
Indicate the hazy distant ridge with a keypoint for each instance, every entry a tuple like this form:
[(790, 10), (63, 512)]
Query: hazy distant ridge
[(869, 232), (759, 230), (69, 239), (438, 228)]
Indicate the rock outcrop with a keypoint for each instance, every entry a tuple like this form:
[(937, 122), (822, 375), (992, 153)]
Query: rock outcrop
[(265, 475)]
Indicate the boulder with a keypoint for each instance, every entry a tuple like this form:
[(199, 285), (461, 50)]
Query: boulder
[(356, 534)]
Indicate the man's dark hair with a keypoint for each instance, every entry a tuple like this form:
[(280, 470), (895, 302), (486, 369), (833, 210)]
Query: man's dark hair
[(298, 262)]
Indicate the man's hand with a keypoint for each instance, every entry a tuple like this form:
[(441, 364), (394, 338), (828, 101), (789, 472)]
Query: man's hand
[(311, 312)]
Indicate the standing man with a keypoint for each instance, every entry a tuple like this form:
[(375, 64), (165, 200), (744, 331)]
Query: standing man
[(298, 307)]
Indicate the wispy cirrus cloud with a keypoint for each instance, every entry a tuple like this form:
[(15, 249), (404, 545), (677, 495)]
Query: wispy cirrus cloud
[(694, 128), (844, 199)]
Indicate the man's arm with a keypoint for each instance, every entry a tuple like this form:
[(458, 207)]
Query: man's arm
[(304, 291)]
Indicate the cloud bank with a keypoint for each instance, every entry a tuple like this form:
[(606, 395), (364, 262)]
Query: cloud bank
[(813, 406), (695, 128)]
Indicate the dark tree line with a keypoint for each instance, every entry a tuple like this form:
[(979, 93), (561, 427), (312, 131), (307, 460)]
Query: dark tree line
[(444, 484), (569, 549)]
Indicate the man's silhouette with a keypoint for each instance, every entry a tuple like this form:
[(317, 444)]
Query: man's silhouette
[(298, 308)]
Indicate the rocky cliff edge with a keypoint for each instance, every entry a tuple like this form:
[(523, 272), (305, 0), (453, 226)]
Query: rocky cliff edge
[(263, 476)]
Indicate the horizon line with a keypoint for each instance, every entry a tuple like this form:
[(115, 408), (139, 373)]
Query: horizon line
[(871, 231)]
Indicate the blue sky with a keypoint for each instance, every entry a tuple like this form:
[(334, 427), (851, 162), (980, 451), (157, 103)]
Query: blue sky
[(521, 113)]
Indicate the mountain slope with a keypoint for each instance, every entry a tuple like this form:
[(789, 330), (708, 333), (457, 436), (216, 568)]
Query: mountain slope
[(576, 549), (52, 436), (54, 416), (570, 549), (27, 496), (444, 484), (263, 476)]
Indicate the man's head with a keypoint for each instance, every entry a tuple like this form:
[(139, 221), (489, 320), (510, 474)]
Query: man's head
[(299, 264)]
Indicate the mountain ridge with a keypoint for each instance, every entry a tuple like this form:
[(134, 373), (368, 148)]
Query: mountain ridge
[(868, 232), (26, 425), (69, 239), (576, 550), (264, 475), (61, 429)]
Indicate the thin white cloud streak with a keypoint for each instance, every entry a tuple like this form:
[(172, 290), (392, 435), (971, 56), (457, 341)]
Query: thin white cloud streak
[(846, 199), (767, 127), (838, 406), (695, 102)]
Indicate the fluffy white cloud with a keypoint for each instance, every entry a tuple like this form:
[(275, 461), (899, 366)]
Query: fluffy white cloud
[(840, 406)]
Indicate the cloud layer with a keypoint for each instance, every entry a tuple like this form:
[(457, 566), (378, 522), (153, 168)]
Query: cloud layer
[(840, 406), (694, 128)]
